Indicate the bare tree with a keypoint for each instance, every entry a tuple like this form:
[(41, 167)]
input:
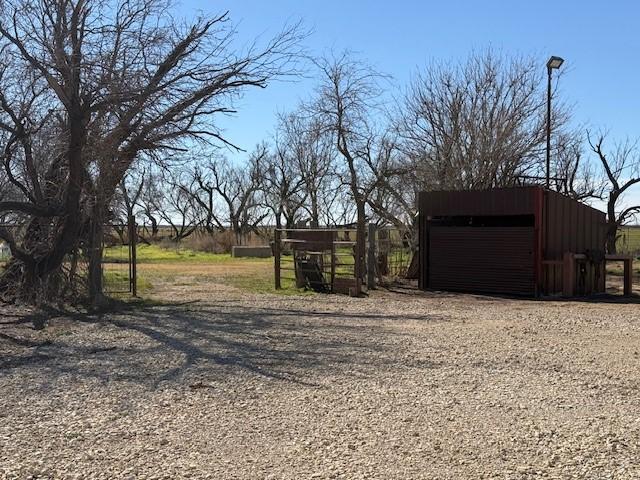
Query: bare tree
[(150, 198), (572, 174), (176, 207), (89, 88), (311, 150), (622, 169), (205, 198), (124, 203), (389, 192), (235, 188), (283, 184), (347, 99), (480, 124)]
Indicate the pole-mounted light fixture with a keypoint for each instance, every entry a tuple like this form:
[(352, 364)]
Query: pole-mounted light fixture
[(553, 63)]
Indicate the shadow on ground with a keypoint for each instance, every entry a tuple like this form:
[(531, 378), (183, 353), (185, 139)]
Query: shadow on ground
[(164, 344)]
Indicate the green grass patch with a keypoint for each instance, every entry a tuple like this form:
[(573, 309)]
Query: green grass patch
[(628, 240), (116, 280), (157, 254)]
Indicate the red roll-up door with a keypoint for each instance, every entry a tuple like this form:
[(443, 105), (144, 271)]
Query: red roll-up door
[(482, 259)]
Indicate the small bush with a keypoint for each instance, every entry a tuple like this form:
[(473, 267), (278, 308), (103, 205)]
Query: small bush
[(225, 240), (203, 243), (218, 242), (168, 244)]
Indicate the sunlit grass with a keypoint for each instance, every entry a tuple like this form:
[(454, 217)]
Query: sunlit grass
[(118, 282), (157, 254), (183, 267), (628, 240)]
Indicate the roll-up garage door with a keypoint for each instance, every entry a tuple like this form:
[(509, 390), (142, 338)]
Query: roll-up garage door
[(482, 259)]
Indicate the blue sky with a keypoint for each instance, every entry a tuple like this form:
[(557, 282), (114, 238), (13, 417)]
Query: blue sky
[(598, 40)]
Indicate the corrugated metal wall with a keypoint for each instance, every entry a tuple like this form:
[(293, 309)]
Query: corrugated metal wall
[(570, 226), (499, 201), (482, 259)]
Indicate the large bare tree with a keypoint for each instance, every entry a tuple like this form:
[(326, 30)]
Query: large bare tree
[(478, 124), (87, 89), (622, 170)]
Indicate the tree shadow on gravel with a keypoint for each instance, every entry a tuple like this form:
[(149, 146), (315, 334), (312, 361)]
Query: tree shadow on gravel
[(163, 345)]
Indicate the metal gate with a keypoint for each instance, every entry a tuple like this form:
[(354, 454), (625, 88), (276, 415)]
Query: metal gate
[(119, 272), (482, 259)]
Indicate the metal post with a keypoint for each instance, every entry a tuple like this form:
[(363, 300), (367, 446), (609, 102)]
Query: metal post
[(133, 254), (371, 257), (548, 126), (276, 257)]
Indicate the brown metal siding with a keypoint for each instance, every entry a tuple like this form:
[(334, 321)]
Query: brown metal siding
[(478, 259), (500, 201), (571, 226)]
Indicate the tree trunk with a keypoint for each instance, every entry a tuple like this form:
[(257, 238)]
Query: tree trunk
[(612, 234), (612, 223), (315, 216), (237, 230), (278, 220), (38, 278), (154, 227), (94, 253)]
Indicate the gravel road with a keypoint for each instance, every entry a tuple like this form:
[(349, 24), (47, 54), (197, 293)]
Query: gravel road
[(398, 385)]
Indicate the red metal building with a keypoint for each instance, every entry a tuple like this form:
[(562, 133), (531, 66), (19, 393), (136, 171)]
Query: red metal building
[(508, 241)]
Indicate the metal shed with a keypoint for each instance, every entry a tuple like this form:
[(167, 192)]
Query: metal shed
[(508, 241)]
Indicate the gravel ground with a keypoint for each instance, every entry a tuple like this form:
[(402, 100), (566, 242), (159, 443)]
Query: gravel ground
[(398, 385)]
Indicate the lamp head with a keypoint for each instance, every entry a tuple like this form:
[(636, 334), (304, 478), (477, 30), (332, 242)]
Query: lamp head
[(555, 62)]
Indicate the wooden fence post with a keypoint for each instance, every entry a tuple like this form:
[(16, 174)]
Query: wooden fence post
[(371, 257), (276, 258), (568, 275), (628, 276)]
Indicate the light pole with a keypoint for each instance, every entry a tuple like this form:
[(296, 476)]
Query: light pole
[(553, 63)]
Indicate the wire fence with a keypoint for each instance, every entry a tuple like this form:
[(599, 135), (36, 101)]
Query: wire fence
[(394, 253), (629, 240)]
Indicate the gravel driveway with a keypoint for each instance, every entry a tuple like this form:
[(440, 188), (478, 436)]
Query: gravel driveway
[(399, 385)]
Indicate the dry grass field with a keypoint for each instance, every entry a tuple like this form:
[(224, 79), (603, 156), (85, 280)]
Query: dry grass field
[(209, 377)]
